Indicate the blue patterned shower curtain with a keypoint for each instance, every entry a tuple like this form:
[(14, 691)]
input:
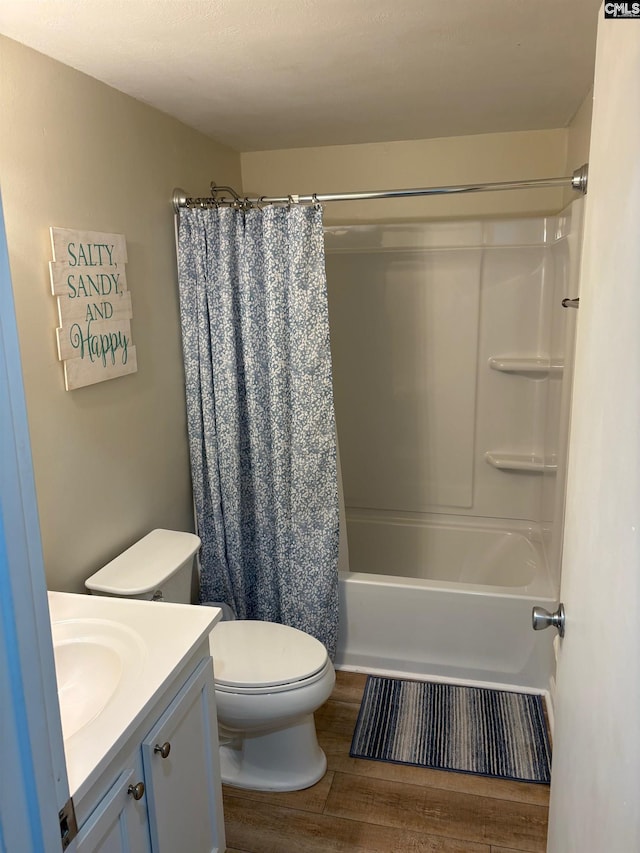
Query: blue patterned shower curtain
[(255, 335)]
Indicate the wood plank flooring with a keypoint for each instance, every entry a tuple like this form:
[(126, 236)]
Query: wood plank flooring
[(376, 807)]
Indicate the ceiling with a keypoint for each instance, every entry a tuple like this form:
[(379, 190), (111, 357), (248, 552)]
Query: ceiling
[(266, 74)]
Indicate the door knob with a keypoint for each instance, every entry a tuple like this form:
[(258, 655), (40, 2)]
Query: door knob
[(541, 619)]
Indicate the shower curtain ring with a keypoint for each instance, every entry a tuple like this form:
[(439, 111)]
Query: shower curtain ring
[(316, 203)]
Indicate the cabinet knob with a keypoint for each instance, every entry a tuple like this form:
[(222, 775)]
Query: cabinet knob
[(164, 750), (136, 791)]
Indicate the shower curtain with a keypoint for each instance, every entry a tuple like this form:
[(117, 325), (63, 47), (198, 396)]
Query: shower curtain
[(255, 334)]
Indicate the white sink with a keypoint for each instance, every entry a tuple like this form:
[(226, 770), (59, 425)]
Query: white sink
[(112, 656), (95, 660)]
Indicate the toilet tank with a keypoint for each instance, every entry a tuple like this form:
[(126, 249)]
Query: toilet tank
[(159, 566)]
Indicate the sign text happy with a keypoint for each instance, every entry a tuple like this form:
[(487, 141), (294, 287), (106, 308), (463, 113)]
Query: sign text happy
[(94, 306)]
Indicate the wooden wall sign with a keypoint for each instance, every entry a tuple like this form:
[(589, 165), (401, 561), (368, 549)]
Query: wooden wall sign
[(94, 306)]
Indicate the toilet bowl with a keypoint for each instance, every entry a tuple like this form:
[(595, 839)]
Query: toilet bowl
[(269, 678)]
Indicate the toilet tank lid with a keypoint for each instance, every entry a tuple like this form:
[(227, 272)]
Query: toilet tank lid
[(146, 565)]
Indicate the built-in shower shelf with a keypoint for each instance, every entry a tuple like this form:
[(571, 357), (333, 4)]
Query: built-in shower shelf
[(533, 365), (530, 462)]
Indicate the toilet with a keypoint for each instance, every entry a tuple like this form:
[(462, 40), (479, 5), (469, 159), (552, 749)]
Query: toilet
[(269, 678)]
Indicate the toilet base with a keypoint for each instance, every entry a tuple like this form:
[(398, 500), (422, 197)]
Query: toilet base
[(285, 759)]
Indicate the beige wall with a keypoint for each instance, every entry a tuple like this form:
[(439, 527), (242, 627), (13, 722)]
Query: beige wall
[(420, 163), (111, 460)]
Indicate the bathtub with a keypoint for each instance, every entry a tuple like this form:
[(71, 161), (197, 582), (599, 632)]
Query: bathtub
[(445, 598)]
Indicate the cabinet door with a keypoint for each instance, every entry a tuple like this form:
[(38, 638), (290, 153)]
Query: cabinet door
[(184, 791), (119, 824)]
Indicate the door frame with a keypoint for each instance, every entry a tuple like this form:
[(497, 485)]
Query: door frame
[(33, 777)]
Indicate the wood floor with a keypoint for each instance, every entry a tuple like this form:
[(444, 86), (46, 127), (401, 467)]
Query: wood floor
[(378, 807)]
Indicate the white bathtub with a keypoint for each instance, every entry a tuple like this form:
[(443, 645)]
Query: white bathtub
[(466, 612)]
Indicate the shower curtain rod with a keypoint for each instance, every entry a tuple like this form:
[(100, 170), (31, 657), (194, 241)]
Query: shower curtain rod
[(577, 181)]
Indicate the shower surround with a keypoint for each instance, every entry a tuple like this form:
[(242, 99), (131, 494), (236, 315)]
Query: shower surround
[(452, 359)]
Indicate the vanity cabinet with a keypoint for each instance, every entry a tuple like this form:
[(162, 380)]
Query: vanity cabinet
[(120, 822), (167, 795), (183, 791)]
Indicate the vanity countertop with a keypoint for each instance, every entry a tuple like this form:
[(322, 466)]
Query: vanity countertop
[(113, 658)]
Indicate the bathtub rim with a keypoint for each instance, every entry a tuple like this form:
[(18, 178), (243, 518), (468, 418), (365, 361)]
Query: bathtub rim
[(540, 587)]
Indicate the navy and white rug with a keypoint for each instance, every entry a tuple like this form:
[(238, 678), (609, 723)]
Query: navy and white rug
[(450, 727)]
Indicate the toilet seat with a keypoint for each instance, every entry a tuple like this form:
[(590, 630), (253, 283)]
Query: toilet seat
[(264, 657)]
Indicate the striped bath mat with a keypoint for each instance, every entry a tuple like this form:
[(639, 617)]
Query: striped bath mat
[(449, 727)]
